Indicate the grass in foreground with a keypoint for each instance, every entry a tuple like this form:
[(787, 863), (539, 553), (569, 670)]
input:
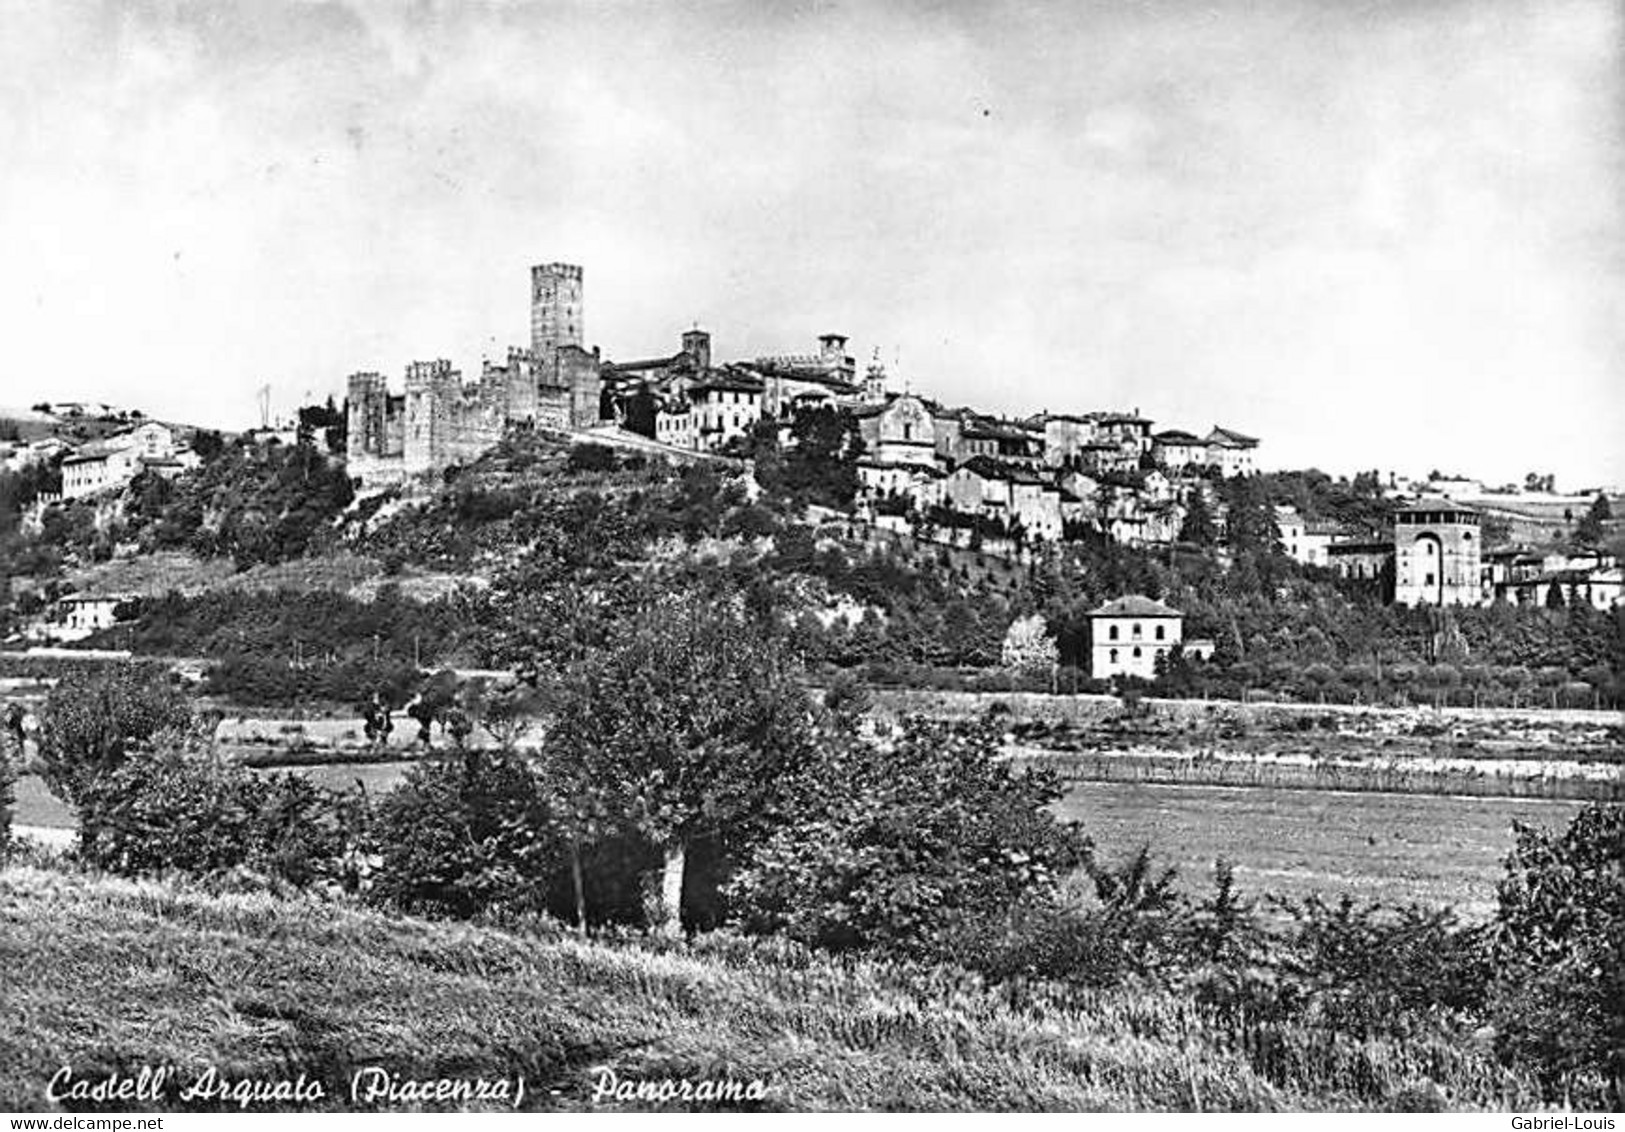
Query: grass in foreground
[(104, 975)]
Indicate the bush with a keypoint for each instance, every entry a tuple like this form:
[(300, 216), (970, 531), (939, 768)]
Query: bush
[(1558, 1003), (466, 834), (591, 457), (1370, 970), (174, 810), (906, 849)]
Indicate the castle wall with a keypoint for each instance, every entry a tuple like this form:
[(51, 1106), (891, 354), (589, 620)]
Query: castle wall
[(580, 373), (439, 421)]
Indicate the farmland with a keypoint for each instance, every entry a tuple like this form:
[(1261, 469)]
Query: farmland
[(1431, 849), (1397, 848)]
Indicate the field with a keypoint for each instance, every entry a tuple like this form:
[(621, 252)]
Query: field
[(1430, 849), (1397, 848), (107, 976)]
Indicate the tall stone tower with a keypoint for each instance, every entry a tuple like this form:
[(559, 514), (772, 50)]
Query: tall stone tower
[(366, 402), (556, 312), (697, 345), (1436, 554)]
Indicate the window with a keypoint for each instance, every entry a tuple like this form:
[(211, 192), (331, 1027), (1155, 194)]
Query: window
[(1427, 579), (1159, 632), (1136, 652), (1136, 630), (1112, 632), (1114, 656)]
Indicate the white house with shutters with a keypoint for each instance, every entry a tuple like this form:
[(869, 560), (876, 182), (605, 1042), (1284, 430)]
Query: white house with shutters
[(1128, 634)]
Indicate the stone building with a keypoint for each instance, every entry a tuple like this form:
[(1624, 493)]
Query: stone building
[(723, 407), (1175, 448), (440, 421), (900, 431), (118, 459), (1064, 438), (827, 378), (1437, 554), (1231, 452), (1360, 559), (1305, 540), (1127, 635)]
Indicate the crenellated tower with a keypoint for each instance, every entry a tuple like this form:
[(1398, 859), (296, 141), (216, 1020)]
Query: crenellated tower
[(556, 310)]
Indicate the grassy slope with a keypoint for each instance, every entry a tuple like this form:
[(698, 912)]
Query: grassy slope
[(105, 974)]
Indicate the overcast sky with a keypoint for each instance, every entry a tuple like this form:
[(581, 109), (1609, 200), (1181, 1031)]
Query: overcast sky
[(1382, 234)]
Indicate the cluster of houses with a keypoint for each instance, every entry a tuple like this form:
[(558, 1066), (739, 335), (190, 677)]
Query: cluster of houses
[(1434, 556), (1040, 479), (955, 474), (108, 463), (115, 460), (15, 455)]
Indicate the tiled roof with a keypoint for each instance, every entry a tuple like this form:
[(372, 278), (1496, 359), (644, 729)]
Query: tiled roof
[(726, 383), (1135, 605), (1421, 505), (1229, 438), (642, 364)]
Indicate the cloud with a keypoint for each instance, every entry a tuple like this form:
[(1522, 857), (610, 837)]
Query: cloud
[(1341, 227)]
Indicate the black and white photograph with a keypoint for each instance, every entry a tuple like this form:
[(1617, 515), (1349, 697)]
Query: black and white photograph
[(981, 556)]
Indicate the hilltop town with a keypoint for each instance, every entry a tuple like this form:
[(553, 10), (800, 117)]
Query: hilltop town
[(938, 475)]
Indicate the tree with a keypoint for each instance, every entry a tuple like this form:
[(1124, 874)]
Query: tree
[(1198, 527), (464, 833), (433, 703), (1028, 646), (207, 444), (1589, 530), (1559, 999), (682, 727), (913, 849), (92, 722)]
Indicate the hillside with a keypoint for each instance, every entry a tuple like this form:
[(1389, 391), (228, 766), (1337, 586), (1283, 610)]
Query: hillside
[(105, 975)]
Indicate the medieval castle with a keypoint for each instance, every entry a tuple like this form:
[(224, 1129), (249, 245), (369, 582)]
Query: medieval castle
[(439, 420), (558, 384)]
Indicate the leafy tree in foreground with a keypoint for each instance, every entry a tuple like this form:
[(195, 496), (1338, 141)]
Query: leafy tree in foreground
[(907, 847), (683, 727), (465, 833), (93, 721), (1559, 1000)]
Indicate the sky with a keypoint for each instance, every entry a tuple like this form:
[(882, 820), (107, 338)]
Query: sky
[(1374, 233)]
